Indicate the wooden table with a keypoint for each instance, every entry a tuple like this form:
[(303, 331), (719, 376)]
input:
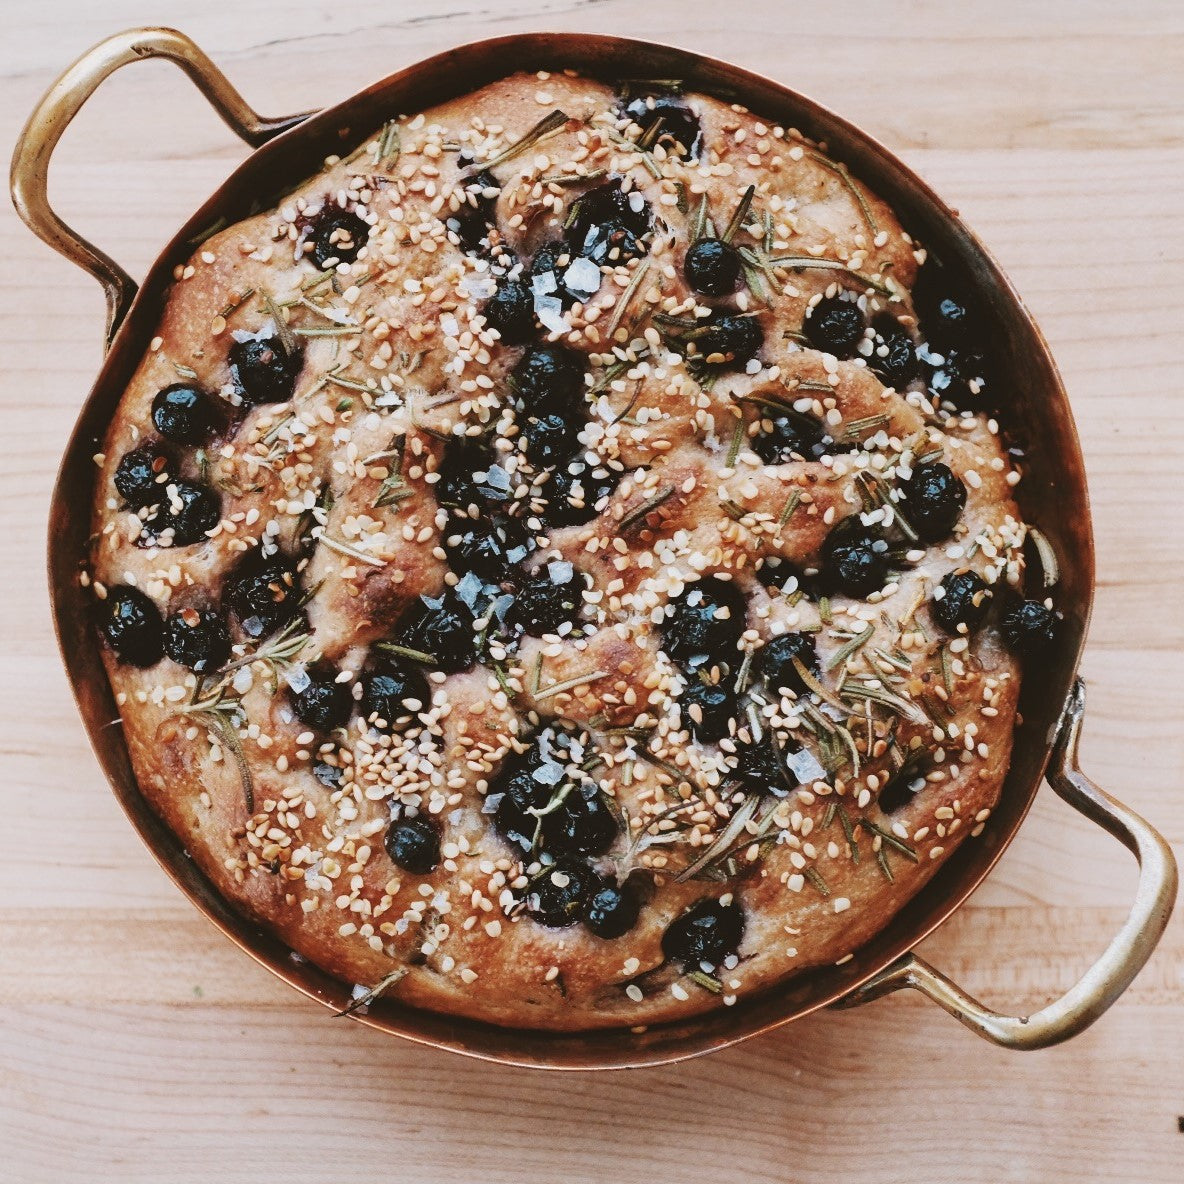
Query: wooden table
[(136, 1044)]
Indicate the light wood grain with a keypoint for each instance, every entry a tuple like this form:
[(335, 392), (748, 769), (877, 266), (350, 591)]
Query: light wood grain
[(136, 1044)]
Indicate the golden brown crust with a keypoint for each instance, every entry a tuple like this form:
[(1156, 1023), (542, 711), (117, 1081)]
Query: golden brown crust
[(396, 348)]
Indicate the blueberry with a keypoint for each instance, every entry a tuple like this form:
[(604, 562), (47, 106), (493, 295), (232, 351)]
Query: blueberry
[(582, 824), (608, 224), (263, 594), (550, 440), (712, 267), (142, 475), (835, 326), (893, 356), (704, 623), (728, 339), (900, 789), (542, 606), (184, 414), (707, 932), (197, 639), (776, 574), (933, 500), (556, 897), (337, 236), (324, 703), (715, 706), (611, 911), (520, 792), (965, 600), (414, 845), (678, 126), (957, 374), (132, 625), (791, 435), (184, 515), (575, 498), (466, 474), (759, 767), (946, 319), (776, 661), (386, 686), (510, 310), (486, 546), (442, 628), (549, 380), (854, 559), (263, 370), (1030, 629), (476, 215)]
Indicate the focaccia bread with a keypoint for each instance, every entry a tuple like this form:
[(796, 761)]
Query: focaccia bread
[(560, 567)]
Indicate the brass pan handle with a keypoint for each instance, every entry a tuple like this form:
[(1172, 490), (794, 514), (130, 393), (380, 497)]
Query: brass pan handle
[(1112, 973), (64, 99)]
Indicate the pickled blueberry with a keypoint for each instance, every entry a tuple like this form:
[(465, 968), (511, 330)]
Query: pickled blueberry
[(549, 380), (184, 414), (704, 623), (933, 501), (901, 787), (476, 215), (488, 547), (443, 628), (712, 267), (183, 515), (198, 639), (550, 440), (608, 223), (414, 845), (387, 685), (854, 559), (893, 356), (1031, 628), (510, 310), (835, 326), (612, 910), (557, 895), (470, 474), (776, 661), (708, 709), (582, 824), (142, 474), (707, 932), (132, 625), (728, 339), (946, 319), (543, 605), (322, 702), (790, 434), (263, 370), (576, 497), (263, 594), (964, 600), (677, 125), (337, 236)]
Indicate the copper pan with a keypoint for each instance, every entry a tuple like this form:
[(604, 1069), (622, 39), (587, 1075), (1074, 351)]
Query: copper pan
[(1053, 495)]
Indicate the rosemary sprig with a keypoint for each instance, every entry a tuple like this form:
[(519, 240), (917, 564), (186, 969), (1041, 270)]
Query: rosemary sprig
[(845, 651), (636, 517), (368, 997), (886, 836), (390, 144), (845, 174), (545, 127), (405, 651), (812, 263), (626, 299), (791, 504), (570, 684)]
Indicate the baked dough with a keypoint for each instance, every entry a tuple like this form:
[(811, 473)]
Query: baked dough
[(376, 278)]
